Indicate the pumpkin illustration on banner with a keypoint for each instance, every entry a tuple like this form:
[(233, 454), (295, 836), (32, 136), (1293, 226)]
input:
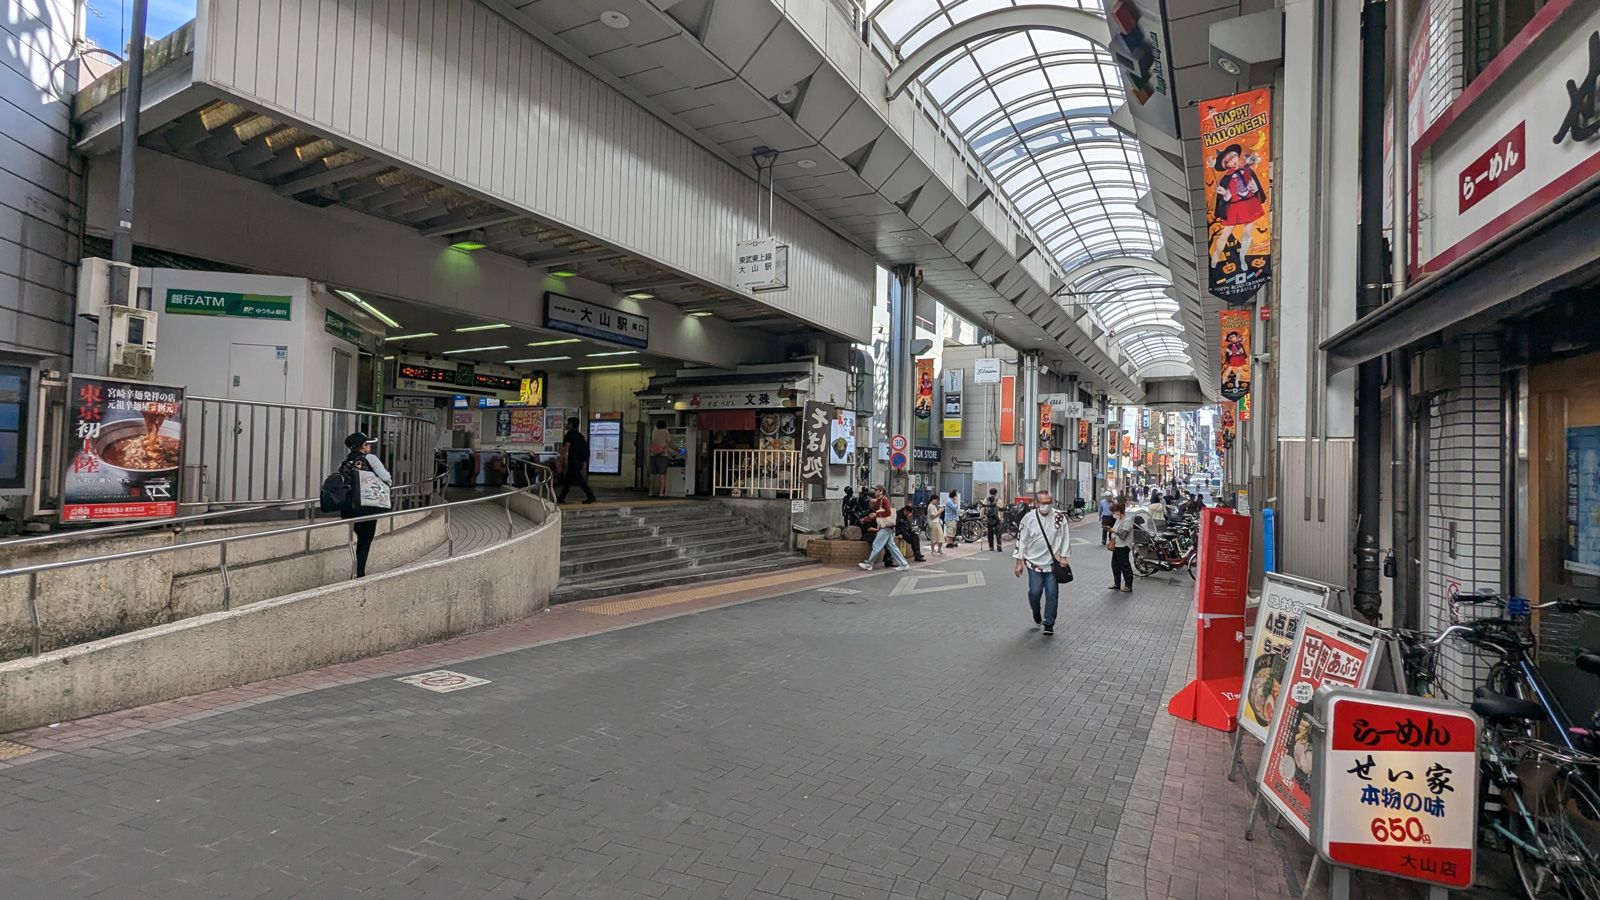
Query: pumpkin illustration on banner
[(1235, 138)]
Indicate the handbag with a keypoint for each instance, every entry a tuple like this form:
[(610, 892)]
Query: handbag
[(373, 493), (1062, 571)]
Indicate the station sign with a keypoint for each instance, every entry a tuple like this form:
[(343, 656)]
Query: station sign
[(761, 265), (591, 320)]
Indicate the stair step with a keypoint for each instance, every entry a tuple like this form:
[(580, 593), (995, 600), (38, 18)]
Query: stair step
[(627, 585), (625, 567)]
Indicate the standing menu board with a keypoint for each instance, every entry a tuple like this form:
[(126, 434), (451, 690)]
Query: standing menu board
[(124, 451), (605, 447), (1283, 599)]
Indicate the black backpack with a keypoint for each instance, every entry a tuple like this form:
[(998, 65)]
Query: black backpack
[(339, 492)]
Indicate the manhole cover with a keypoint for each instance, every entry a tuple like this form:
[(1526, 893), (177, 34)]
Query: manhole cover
[(842, 595), (443, 681)]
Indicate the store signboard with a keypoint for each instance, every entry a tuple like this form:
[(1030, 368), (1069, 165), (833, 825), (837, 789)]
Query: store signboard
[(182, 301), (338, 326), (986, 371), (987, 471), (952, 380), (952, 415), (124, 450), (814, 443), (1397, 786), (751, 398), (605, 446), (1008, 409), (591, 320), (1236, 148), (1519, 138), (1283, 599), (761, 265), (1583, 501), (1329, 650), (842, 438)]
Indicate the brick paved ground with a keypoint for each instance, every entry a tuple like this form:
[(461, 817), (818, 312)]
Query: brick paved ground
[(904, 741)]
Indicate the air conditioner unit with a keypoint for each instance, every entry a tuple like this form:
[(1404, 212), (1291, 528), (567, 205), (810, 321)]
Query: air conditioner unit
[(94, 284), (129, 336)]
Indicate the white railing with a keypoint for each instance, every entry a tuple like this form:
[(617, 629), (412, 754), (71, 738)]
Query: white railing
[(755, 473)]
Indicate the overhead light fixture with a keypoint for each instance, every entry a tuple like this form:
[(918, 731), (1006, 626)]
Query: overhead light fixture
[(1227, 64), (371, 310), (613, 19), (632, 365), (699, 313), (806, 163), (387, 358), (478, 349), (553, 343), (563, 273), (641, 295), (466, 328), (471, 241), (537, 359), (615, 353), (410, 337)]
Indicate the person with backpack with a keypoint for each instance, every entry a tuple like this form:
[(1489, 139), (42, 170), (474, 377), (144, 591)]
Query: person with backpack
[(369, 493), (575, 450), (991, 520)]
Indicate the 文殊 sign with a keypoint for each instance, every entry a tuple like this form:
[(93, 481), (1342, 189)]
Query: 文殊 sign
[(1397, 786), (227, 303)]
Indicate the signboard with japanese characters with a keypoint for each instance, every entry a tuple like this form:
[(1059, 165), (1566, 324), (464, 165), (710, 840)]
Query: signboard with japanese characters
[(842, 438), (527, 426), (1283, 599), (1396, 787), (1521, 137), (124, 450), (1329, 650), (814, 443), (986, 371), (591, 320), (952, 415), (761, 265), (753, 398)]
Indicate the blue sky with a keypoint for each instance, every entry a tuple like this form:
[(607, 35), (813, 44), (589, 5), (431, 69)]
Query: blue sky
[(110, 27)]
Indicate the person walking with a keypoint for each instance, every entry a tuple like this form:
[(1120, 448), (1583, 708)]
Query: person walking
[(371, 495), (575, 450), (935, 525), (1042, 539), (905, 528), (879, 521), (952, 515), (660, 455), (991, 519), (1120, 542), (1106, 518)]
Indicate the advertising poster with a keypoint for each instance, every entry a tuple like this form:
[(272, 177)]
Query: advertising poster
[(923, 409), (530, 392), (527, 426), (502, 424), (124, 451), (1229, 428), (952, 415), (1583, 500), (842, 439), (1236, 143), (814, 443), (1283, 599), (1329, 649), (1234, 327), (1083, 434), (605, 447), (461, 418), (1008, 409)]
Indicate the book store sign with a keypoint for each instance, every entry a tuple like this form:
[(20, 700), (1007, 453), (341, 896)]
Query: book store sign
[(761, 265)]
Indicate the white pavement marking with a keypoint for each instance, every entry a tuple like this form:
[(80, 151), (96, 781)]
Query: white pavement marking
[(910, 584), (837, 590), (443, 681)]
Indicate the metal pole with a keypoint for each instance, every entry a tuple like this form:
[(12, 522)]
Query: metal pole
[(132, 94), (33, 608), (1030, 421), (1400, 211), (902, 328), (1400, 483), (227, 584), (1368, 595)]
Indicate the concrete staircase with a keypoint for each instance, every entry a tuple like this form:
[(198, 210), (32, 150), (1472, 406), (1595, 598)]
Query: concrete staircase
[(619, 549)]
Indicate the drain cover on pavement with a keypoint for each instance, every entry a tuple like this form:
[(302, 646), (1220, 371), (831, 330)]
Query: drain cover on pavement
[(443, 681), (841, 595)]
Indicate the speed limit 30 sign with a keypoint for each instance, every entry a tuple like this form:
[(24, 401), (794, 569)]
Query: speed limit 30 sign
[(1396, 786)]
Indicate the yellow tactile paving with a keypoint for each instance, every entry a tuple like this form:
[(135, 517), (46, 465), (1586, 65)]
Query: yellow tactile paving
[(12, 750), (697, 592)]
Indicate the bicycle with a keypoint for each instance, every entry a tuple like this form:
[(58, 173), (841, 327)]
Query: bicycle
[(1539, 801)]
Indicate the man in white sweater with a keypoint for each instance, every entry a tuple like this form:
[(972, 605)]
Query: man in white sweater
[(1043, 535)]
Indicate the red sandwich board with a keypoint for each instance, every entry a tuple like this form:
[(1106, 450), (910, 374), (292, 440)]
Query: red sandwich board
[(1212, 699)]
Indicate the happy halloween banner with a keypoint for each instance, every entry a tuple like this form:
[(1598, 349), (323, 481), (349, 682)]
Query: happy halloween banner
[(1236, 137)]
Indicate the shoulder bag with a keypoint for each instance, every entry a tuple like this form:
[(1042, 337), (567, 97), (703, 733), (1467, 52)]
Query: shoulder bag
[(1062, 571)]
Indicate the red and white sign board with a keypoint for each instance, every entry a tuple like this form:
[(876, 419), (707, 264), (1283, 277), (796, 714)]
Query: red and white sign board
[(898, 443), (1397, 786), (1520, 137), (1329, 650)]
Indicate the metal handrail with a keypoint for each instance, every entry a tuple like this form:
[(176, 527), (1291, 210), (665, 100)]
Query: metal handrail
[(540, 481)]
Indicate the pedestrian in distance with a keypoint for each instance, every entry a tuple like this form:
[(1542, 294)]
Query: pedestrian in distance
[(575, 450), (952, 515), (1106, 518), (905, 528), (1120, 543), (1042, 540), (879, 522), (372, 494), (935, 525), (660, 455), (991, 519)]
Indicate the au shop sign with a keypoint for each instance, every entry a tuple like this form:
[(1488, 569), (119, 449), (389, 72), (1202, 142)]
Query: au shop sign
[(1523, 135)]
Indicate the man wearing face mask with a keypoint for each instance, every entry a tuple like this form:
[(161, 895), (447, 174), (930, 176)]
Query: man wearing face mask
[(1042, 537)]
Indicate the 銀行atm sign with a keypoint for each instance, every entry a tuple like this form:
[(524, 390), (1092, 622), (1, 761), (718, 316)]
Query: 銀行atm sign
[(1524, 134), (1396, 786)]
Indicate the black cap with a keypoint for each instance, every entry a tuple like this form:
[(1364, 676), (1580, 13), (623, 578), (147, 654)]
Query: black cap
[(356, 439)]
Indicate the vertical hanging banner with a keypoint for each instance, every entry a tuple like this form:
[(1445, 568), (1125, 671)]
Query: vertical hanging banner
[(1234, 327), (814, 444), (1008, 409), (1045, 434), (1083, 434), (923, 411), (1229, 428), (1236, 140)]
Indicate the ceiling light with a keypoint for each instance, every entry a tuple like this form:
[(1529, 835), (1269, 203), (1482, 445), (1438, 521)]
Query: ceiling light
[(632, 365), (613, 19), (699, 313), (563, 273), (641, 295), (1229, 66), (537, 359), (411, 337), (614, 353), (553, 343), (806, 163), (388, 358), (478, 349), (375, 312), (471, 242), (494, 327)]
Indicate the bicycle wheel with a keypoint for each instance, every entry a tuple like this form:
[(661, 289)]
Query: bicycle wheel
[(1565, 823), (1143, 566)]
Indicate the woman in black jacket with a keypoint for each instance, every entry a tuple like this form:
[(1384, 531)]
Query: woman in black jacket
[(362, 459)]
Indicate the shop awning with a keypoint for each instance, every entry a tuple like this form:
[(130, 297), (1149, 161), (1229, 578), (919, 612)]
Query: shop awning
[(1518, 273)]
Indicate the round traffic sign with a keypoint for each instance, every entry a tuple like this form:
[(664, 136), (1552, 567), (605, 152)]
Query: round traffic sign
[(897, 459), (898, 443)]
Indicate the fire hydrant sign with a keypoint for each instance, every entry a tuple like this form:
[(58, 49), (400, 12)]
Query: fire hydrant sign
[(1397, 786)]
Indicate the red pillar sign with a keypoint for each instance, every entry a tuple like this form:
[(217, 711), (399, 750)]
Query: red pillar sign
[(1212, 699)]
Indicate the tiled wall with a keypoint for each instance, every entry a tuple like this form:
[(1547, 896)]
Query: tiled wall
[(1464, 489)]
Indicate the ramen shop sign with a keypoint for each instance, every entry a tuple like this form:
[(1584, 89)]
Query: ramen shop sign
[(124, 450)]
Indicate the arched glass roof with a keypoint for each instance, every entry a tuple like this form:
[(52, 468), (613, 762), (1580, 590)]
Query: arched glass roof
[(1034, 106)]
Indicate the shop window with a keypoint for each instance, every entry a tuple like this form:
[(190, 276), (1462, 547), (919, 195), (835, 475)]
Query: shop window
[(13, 425), (1489, 26)]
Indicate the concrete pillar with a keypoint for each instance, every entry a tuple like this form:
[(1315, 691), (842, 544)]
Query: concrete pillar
[(902, 369), (1030, 421)]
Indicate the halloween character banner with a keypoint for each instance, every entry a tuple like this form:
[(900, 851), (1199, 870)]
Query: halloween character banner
[(1234, 327), (1235, 138)]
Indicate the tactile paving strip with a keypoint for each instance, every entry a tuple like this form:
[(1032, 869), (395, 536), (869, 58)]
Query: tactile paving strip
[(12, 750), (684, 595)]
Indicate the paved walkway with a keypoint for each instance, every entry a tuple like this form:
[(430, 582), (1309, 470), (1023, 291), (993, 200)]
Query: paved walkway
[(822, 733)]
